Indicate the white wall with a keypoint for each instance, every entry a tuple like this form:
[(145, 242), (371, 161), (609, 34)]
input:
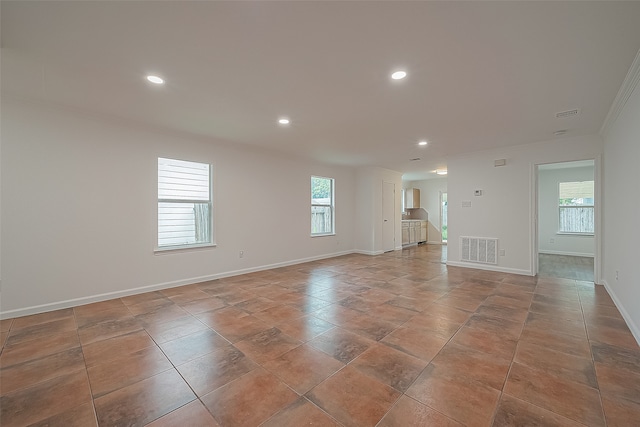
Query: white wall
[(621, 243), (368, 221), (79, 209), (505, 210), (548, 214), (430, 190)]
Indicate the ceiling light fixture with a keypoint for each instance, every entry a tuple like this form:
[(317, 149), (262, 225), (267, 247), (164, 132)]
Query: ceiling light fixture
[(560, 132), (423, 143), (155, 79), (283, 121), (398, 75), (441, 171)]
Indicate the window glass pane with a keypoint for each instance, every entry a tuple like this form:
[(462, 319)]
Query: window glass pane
[(183, 223), (321, 220), (576, 219), (321, 191), (578, 193), (181, 180)]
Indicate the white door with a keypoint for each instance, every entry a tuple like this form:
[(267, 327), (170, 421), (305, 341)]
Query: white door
[(388, 216)]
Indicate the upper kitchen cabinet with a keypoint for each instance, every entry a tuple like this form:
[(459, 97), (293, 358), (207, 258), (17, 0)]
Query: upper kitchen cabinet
[(412, 198)]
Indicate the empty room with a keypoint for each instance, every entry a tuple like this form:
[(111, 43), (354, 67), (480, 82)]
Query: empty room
[(288, 213)]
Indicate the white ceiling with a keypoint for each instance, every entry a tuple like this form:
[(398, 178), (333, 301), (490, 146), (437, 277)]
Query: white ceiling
[(480, 74)]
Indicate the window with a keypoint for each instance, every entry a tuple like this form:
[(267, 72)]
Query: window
[(576, 207), (184, 204), (322, 207)]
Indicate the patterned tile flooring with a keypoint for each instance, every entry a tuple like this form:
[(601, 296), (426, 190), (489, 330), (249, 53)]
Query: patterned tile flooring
[(398, 339)]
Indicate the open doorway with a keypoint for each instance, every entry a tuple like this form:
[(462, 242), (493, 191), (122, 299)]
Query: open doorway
[(566, 220), (443, 217)]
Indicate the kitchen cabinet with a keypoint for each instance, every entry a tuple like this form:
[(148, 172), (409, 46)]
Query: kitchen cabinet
[(405, 233), (412, 198), (411, 232), (423, 231), (414, 230)]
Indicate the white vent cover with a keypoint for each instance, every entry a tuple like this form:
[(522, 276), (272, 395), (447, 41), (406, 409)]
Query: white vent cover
[(568, 113), (479, 249)]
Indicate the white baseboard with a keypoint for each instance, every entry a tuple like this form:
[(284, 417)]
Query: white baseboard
[(398, 248), (434, 242), (489, 267), (565, 253), (635, 331), (373, 253), (36, 309)]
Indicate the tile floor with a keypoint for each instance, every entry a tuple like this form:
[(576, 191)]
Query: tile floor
[(392, 340), (565, 266)]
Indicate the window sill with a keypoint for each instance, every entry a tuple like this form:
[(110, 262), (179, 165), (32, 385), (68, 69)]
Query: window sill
[(323, 235), (184, 248), (564, 233)]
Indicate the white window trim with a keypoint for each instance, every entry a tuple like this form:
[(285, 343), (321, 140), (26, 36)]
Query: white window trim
[(163, 250), (331, 206)]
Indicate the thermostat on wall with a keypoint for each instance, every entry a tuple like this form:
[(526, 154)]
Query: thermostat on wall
[(477, 193)]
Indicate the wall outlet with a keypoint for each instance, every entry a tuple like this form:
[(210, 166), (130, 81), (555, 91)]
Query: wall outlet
[(502, 252), (241, 254), (616, 274), (552, 240)]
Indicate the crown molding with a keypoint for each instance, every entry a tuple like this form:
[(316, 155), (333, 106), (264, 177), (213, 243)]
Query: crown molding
[(628, 85)]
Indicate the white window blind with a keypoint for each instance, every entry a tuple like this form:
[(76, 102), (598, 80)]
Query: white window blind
[(577, 190), (184, 203)]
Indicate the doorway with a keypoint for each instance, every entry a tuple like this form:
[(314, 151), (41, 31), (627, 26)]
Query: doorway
[(566, 220), (388, 216), (443, 217)]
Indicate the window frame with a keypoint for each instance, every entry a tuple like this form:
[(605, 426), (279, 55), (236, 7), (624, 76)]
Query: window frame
[(561, 207), (331, 206), (158, 249)]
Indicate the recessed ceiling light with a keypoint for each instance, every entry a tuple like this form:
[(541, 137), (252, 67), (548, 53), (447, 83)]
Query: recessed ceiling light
[(560, 132), (441, 171), (422, 143), (397, 75), (155, 79), (283, 121)]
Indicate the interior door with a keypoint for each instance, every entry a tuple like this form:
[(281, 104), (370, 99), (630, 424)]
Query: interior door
[(388, 216)]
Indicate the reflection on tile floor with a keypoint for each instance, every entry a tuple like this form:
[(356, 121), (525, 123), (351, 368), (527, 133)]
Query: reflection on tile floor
[(398, 339)]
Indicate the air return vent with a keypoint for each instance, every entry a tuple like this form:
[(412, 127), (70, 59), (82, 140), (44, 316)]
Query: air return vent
[(479, 249), (565, 114)]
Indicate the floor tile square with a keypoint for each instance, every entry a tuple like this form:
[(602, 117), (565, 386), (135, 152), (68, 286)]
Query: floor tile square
[(567, 398), (303, 367), (515, 412), (126, 369), (468, 402), (213, 370), (267, 345), (192, 346), (418, 343), (391, 367), (299, 413), (353, 398), (342, 345), (410, 413), (44, 399), (192, 414), (144, 401), (249, 400)]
